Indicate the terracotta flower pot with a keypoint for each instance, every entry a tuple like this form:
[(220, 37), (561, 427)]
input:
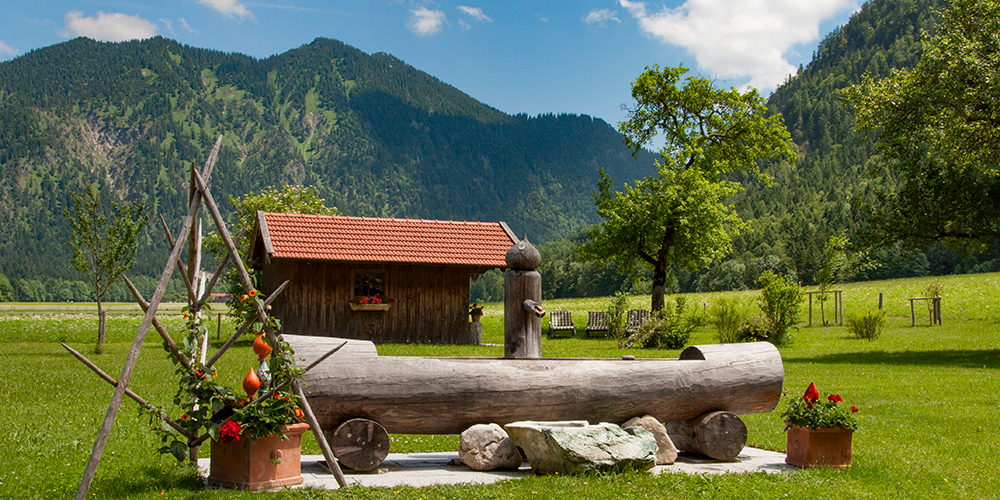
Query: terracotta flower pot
[(268, 462), (476, 318), (823, 447)]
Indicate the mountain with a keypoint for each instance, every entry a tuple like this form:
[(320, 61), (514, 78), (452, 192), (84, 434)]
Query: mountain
[(824, 192), (374, 135)]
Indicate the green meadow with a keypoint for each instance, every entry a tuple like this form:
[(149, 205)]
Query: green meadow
[(929, 398)]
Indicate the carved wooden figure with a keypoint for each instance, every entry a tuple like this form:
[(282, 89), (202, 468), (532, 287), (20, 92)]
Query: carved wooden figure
[(522, 302)]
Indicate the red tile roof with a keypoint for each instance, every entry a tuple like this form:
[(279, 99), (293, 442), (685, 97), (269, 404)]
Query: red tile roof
[(369, 239)]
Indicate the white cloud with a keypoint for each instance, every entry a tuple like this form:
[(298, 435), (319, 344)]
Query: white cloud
[(601, 16), (475, 12), (230, 8), (7, 49), (187, 27), (114, 27), (168, 24), (740, 38), (425, 22), (465, 26)]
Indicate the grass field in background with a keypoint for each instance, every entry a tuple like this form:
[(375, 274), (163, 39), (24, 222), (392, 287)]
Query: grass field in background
[(928, 398)]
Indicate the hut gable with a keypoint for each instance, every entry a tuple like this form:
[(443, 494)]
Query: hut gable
[(420, 270)]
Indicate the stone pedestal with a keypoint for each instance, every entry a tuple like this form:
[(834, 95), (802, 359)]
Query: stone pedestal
[(475, 333)]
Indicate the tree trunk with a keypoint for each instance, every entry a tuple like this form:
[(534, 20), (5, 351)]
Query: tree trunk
[(659, 283), (102, 316)]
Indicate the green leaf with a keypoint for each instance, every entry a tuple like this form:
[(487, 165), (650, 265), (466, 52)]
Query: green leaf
[(179, 450)]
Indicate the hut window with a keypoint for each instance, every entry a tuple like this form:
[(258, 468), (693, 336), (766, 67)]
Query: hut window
[(369, 284)]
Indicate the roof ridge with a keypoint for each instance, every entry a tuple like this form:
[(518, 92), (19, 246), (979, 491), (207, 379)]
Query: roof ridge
[(393, 219)]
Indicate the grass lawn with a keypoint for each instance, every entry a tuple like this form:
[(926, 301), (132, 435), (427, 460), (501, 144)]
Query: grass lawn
[(930, 411)]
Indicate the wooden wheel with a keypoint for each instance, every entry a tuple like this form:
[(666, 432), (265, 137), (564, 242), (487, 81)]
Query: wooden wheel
[(359, 444)]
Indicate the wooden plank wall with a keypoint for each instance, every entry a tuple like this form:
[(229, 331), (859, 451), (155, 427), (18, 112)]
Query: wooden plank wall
[(430, 303)]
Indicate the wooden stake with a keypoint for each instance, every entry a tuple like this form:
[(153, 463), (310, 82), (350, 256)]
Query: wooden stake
[(270, 392), (324, 446), (180, 265), (128, 392), (140, 337), (156, 324), (239, 332), (234, 254)]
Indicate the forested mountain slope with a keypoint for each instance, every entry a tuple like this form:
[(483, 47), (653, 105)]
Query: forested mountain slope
[(376, 136), (823, 194)]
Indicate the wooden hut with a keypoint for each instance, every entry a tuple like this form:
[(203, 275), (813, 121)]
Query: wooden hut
[(384, 280)]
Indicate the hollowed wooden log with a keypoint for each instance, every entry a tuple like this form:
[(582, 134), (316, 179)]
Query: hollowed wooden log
[(415, 395)]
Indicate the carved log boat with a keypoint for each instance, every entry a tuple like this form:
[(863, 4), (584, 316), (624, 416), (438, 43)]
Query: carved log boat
[(420, 395)]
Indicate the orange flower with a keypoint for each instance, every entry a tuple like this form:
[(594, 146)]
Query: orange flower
[(185, 417), (253, 293), (199, 372), (185, 315), (299, 413), (244, 297), (215, 373)]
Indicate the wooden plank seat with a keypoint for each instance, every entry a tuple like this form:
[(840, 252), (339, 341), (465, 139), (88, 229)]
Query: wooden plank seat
[(597, 321), (560, 322), (635, 319)]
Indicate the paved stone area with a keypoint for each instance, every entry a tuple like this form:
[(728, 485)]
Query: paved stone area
[(425, 469)]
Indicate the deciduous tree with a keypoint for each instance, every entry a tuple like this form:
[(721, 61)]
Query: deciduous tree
[(103, 250), (938, 127), (679, 217)]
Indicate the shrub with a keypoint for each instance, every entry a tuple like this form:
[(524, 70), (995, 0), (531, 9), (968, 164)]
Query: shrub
[(617, 312), (868, 325), (754, 329), (727, 319), (780, 301), (669, 328)]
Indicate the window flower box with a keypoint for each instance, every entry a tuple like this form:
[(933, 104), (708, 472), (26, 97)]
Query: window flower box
[(369, 307)]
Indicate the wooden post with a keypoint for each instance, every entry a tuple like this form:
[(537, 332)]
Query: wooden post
[(913, 317), (522, 302), (810, 309), (140, 337), (880, 301)]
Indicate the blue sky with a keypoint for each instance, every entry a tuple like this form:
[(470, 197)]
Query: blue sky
[(518, 56)]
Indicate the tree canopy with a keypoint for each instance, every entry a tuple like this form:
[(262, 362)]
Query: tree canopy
[(938, 127), (679, 218)]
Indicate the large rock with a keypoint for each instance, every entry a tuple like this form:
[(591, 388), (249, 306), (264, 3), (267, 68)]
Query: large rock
[(575, 447), (487, 447), (666, 452)]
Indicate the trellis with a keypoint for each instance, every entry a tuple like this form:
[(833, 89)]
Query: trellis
[(190, 235)]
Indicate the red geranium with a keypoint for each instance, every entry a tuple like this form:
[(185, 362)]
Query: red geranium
[(230, 431), (835, 398), (854, 409)]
